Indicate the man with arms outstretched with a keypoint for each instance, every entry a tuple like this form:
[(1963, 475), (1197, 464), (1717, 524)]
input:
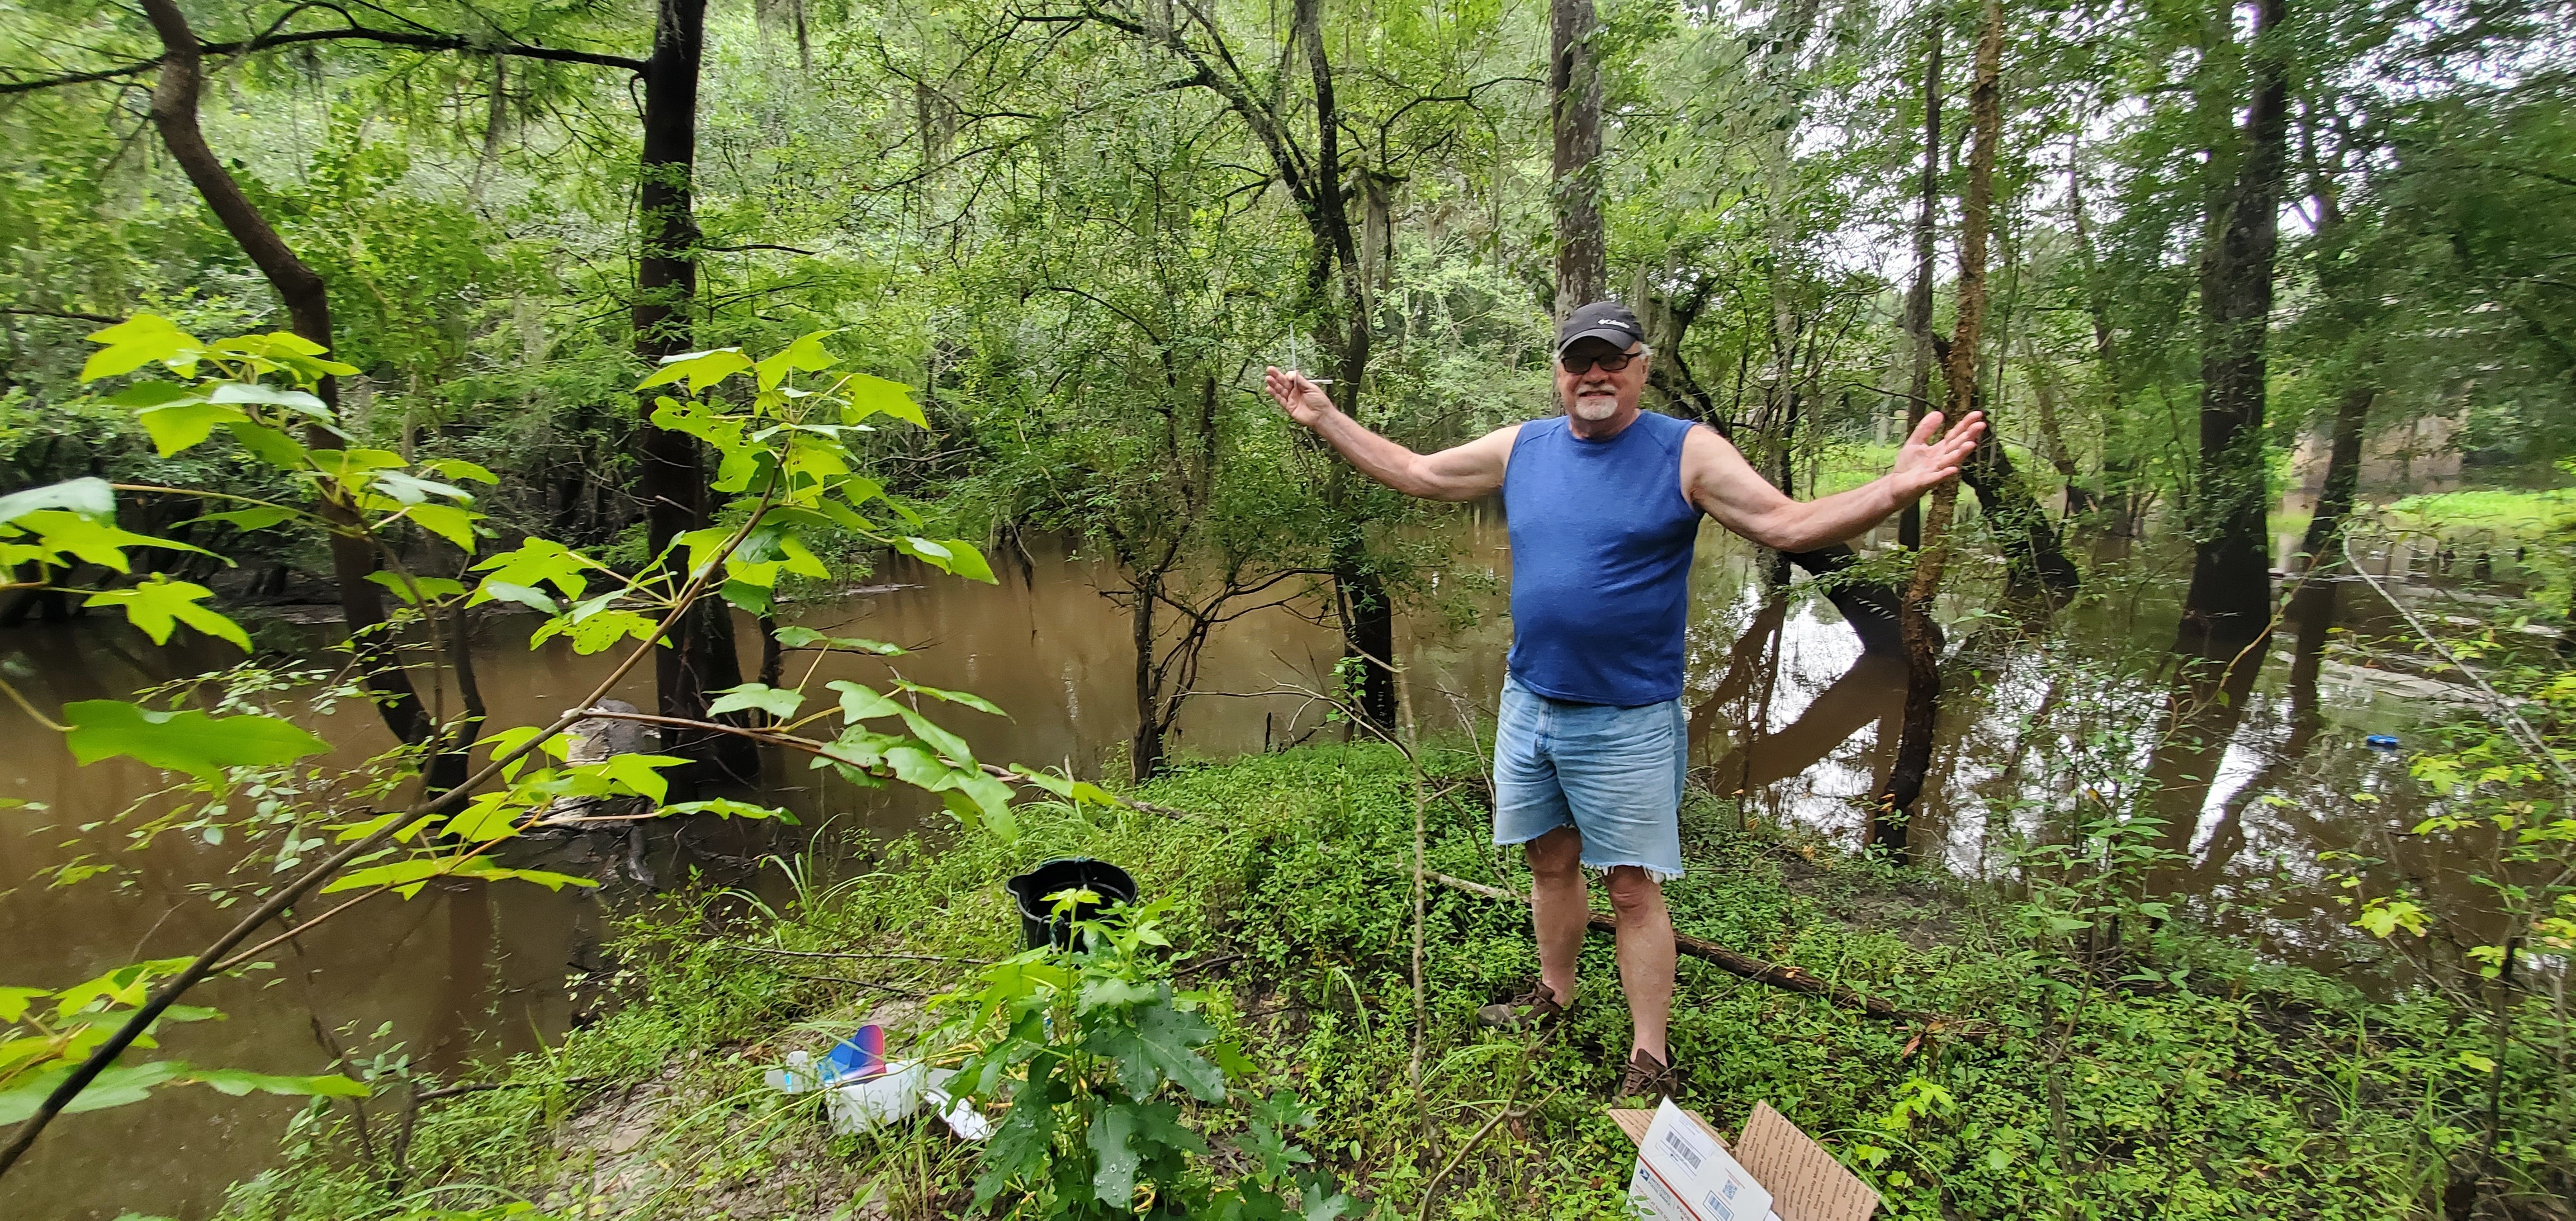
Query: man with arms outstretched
[(1604, 503)]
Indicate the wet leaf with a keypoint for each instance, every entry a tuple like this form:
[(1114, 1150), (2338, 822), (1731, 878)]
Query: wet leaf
[(183, 741)]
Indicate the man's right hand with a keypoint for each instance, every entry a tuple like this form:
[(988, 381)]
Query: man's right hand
[(1303, 400)]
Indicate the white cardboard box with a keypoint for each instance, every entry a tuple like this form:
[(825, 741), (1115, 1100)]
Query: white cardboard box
[(1797, 1180), (1684, 1173)]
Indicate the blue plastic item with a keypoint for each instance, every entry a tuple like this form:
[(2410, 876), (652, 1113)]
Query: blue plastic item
[(2381, 741), (860, 1056)]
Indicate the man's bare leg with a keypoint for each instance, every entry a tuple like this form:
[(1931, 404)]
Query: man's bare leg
[(1645, 953), (1559, 906)]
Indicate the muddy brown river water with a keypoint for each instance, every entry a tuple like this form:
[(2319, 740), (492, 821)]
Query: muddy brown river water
[(1787, 712)]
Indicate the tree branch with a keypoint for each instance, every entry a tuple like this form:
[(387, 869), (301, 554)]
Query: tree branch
[(396, 38)]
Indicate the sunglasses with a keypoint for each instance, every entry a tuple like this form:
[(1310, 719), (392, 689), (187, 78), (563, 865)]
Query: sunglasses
[(1610, 362)]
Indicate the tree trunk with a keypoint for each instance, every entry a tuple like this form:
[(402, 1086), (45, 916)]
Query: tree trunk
[(698, 654), (2033, 557), (1145, 749), (1922, 659), (1574, 90), (2230, 601), (2052, 434), (1368, 615), (2118, 492), (308, 311), (2343, 473), (1918, 298)]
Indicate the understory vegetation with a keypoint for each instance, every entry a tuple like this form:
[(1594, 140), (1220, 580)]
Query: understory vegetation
[(2172, 1076)]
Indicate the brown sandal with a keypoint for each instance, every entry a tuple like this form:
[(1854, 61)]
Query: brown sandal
[(1535, 1009), (1649, 1081)]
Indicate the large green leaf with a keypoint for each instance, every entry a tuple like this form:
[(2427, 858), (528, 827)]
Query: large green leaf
[(877, 396), (118, 1086), (184, 741), (779, 702), (138, 341), (63, 532), (1160, 1046), (238, 1082), (807, 638), (703, 369), (86, 497), (157, 605), (860, 702)]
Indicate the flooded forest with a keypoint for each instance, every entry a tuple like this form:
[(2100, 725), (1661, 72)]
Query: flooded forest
[(700, 608)]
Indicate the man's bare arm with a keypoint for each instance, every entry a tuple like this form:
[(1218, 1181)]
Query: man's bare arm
[(1723, 485), (1462, 472)]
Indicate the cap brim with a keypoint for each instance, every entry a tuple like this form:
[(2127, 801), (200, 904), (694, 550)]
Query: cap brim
[(1618, 338)]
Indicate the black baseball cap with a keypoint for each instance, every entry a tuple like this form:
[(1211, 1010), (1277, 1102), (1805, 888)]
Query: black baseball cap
[(1600, 320)]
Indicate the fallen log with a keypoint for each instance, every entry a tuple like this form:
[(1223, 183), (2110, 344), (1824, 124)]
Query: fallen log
[(1772, 974)]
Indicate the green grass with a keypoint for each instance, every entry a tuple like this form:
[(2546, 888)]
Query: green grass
[(2519, 515), (2057, 1089)]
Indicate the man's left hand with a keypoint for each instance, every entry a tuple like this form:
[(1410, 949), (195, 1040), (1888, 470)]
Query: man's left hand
[(1923, 464)]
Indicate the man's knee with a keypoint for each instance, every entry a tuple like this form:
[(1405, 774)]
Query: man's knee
[(1556, 856), (1633, 891)]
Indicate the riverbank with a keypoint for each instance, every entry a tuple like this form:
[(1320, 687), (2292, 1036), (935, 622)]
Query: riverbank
[(2151, 1074)]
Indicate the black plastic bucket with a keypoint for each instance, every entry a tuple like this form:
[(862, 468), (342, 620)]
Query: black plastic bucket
[(1039, 925)]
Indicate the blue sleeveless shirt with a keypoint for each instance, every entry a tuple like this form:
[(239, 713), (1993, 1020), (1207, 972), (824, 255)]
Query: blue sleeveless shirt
[(1601, 556)]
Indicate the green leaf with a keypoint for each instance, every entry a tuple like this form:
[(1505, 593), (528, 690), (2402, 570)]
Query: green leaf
[(779, 702), (271, 446), (449, 522), (954, 556), (459, 468), (1021, 1145), (139, 341), (237, 1082), (860, 702), (539, 562), (1112, 1139), (637, 772), (968, 562), (969, 699), (157, 605), (488, 817), (938, 736), (269, 396), (726, 807), (495, 589), (1079, 792), (427, 587), (118, 1086), (186, 423), (807, 638), (184, 741), (997, 821), (14, 1002), (750, 598), (247, 520), (412, 489), (60, 531), (86, 497), (152, 394), (703, 369), (1160, 1047), (806, 354), (876, 396)]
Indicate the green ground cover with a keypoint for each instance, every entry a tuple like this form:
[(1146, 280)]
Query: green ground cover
[(2164, 1076)]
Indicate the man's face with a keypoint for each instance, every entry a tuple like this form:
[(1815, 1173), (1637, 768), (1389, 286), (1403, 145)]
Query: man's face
[(1596, 392)]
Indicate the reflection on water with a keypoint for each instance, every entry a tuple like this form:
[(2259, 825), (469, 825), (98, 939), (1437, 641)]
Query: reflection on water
[(1787, 712)]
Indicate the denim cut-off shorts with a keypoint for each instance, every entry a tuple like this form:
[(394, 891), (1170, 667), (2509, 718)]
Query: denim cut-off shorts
[(1613, 774)]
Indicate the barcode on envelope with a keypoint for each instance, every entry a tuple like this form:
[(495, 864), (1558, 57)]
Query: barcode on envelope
[(1687, 1151)]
